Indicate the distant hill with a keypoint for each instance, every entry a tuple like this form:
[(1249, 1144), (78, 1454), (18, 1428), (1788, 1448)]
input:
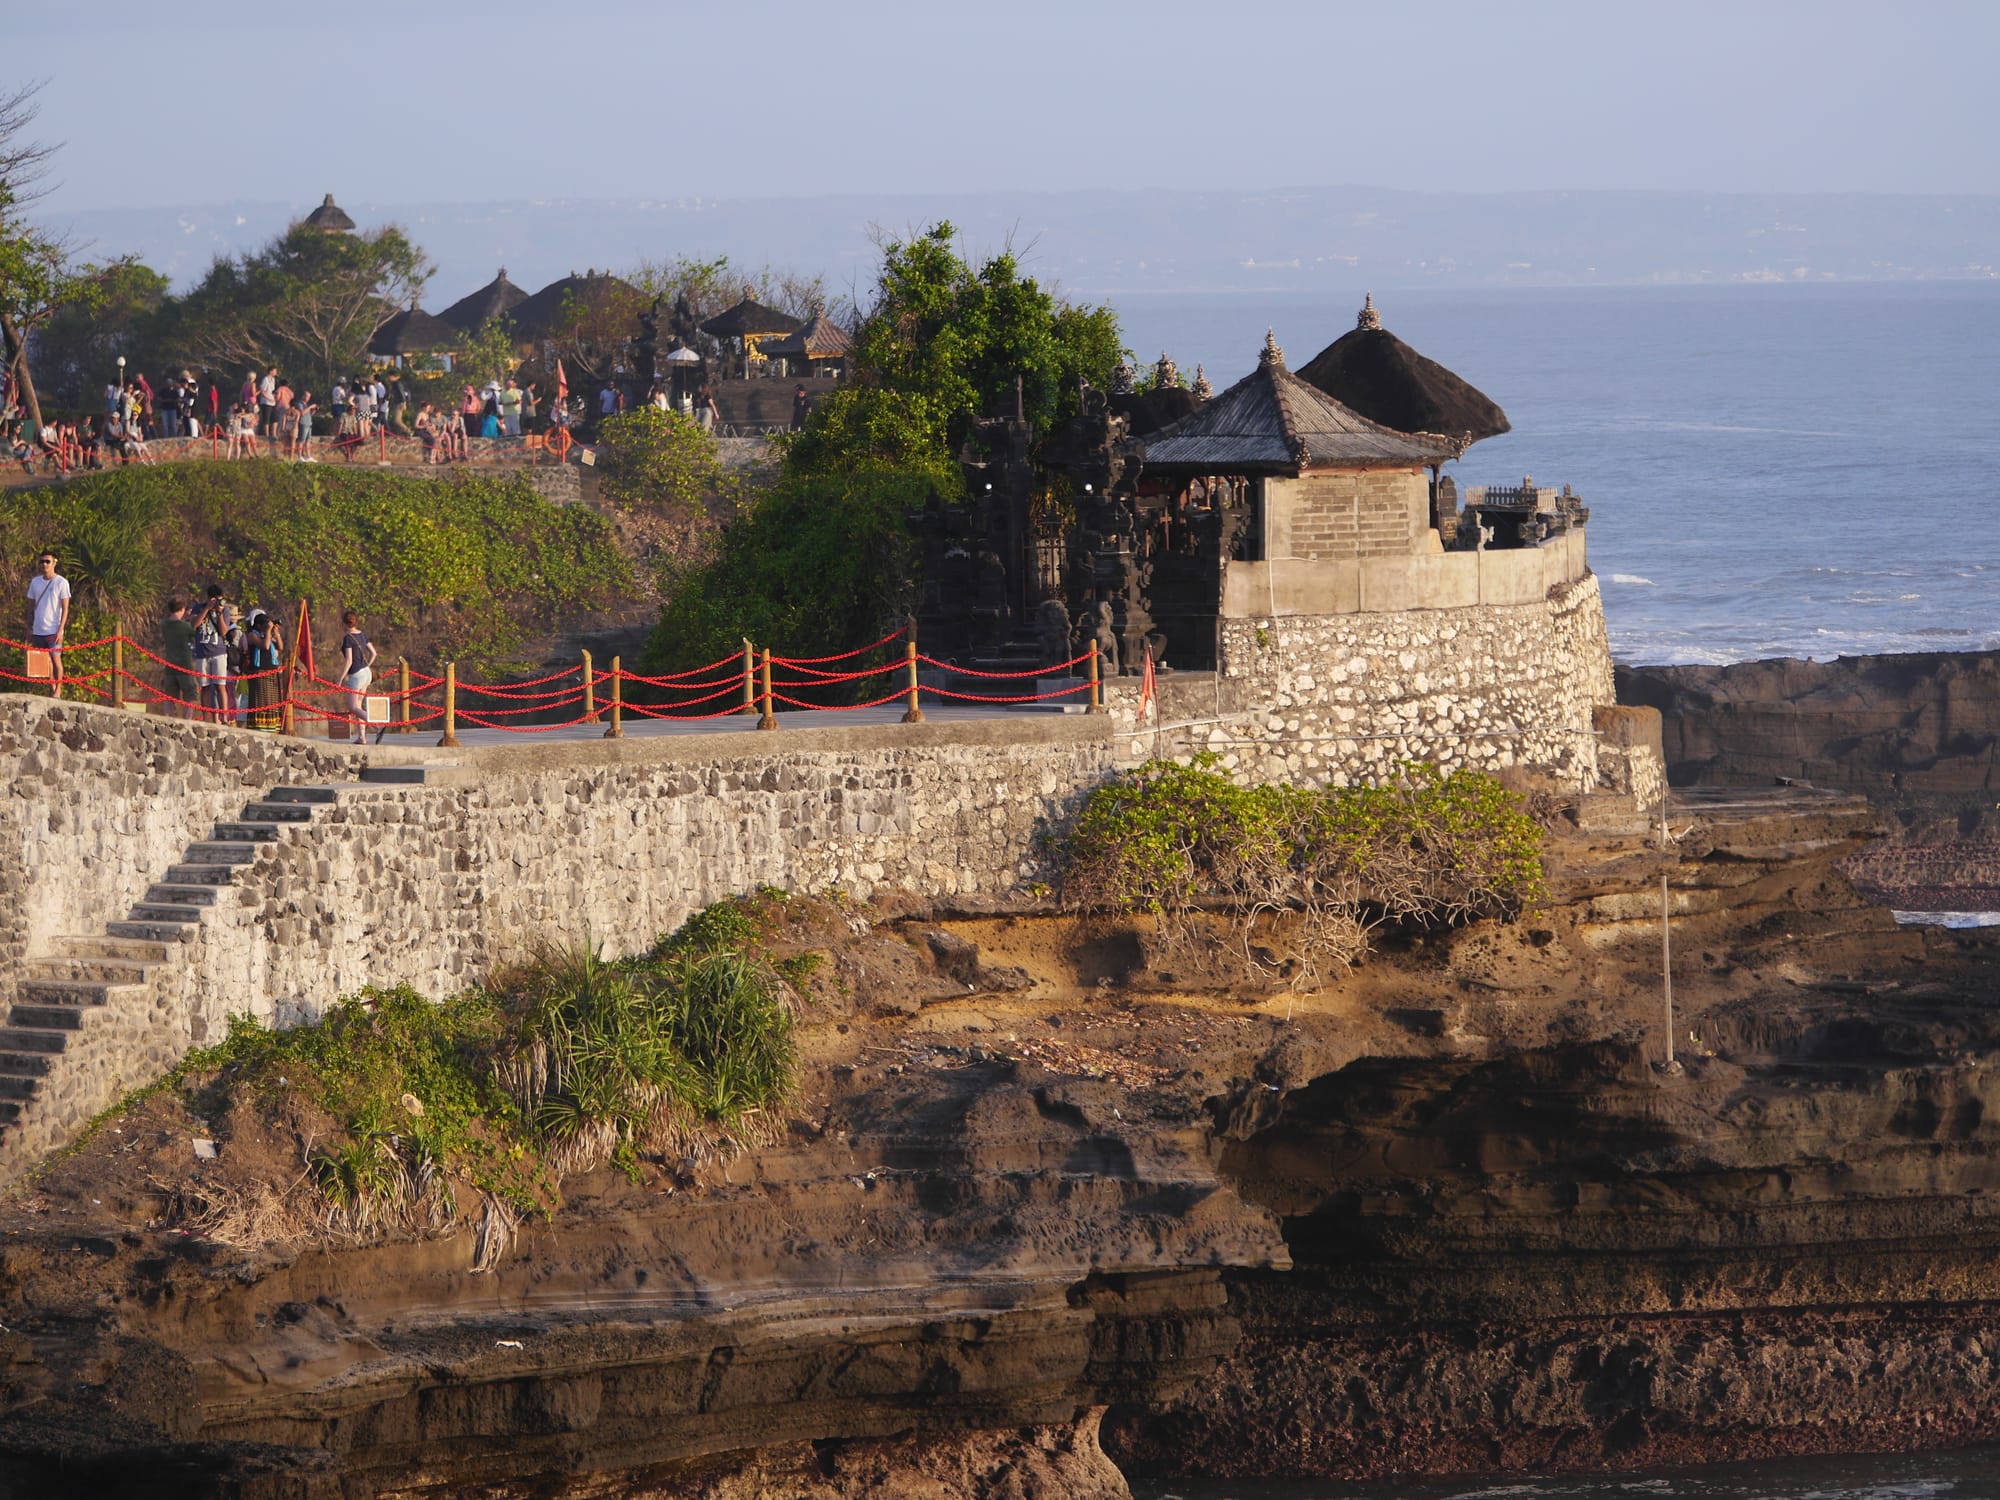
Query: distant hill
[(1305, 239)]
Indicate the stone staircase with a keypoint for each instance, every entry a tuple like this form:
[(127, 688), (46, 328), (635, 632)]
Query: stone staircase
[(93, 998)]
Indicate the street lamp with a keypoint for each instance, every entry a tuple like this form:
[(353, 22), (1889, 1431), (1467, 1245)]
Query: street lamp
[(121, 372)]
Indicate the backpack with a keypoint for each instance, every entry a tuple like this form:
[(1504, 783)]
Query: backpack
[(209, 634)]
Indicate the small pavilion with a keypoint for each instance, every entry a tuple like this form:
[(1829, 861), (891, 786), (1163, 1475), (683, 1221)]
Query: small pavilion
[(752, 324), (414, 331), (819, 348), (497, 299), (329, 218)]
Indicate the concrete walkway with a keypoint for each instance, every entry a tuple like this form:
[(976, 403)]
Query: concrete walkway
[(888, 718)]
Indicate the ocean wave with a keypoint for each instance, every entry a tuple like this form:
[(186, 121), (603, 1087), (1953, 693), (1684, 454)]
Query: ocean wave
[(1634, 579)]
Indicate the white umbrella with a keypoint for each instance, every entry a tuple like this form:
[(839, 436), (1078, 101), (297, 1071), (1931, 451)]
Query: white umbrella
[(683, 356)]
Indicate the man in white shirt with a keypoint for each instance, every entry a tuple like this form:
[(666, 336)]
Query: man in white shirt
[(48, 615)]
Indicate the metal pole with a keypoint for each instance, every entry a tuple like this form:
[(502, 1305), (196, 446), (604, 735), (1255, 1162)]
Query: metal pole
[(450, 740), (770, 720), (590, 691), (117, 663), (617, 729), (1096, 686), (913, 714), (749, 678)]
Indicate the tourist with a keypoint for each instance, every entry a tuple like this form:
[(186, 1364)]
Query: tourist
[(184, 400), (145, 404), (357, 663), (607, 401), (235, 644), (364, 408), (48, 616), (114, 393), (339, 402), (454, 435), (243, 432), (399, 406), (306, 409), (528, 408), (801, 408), (211, 653), (705, 407), (247, 397), (267, 402), (489, 413), (263, 649), (468, 410), (177, 651), (510, 409), (214, 405)]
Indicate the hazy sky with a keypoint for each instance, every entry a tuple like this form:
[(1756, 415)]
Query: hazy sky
[(495, 99)]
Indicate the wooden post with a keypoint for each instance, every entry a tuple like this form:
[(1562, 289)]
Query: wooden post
[(450, 740), (617, 729), (117, 663), (403, 691), (1666, 937), (749, 678), (770, 720), (1096, 686), (590, 689), (913, 714)]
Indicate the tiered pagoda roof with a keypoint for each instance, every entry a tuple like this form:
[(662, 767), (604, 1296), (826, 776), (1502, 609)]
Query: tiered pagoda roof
[(1371, 371), (330, 217), (751, 319), (819, 338)]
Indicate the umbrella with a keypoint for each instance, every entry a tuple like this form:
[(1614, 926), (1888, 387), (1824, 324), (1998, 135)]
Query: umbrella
[(683, 356)]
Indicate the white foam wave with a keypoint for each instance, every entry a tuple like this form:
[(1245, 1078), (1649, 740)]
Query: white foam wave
[(1634, 579)]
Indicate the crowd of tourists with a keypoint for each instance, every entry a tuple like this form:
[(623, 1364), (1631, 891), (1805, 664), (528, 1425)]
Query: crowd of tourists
[(222, 663)]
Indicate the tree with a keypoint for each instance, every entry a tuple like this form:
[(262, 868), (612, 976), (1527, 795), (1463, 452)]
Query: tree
[(36, 275), (77, 349), (943, 344), (308, 299)]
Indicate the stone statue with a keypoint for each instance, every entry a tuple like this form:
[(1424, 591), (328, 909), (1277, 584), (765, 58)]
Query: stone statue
[(1052, 632), (1107, 640), (1121, 378), (1202, 390), (1166, 374)]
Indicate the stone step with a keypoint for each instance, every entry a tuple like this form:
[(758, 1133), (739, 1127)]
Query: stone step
[(247, 833), (46, 1017), (18, 1040), (220, 852), (96, 945), (310, 794), (404, 775), (278, 812), (15, 1087), (27, 1064), (173, 929), (97, 970), (201, 874), (10, 1111), (157, 913), (172, 894), (76, 991)]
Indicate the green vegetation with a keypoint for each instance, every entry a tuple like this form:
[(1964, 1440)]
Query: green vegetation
[(1429, 846), (462, 567), (557, 1067)]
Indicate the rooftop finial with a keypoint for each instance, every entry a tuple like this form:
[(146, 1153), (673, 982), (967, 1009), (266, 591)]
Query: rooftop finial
[(1369, 317), (1272, 354), (1201, 390)]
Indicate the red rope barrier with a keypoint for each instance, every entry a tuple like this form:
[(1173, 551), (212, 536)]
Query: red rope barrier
[(807, 661), (1012, 676)]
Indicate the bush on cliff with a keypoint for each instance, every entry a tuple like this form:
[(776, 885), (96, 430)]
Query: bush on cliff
[(556, 1067), (1427, 846), (463, 567)]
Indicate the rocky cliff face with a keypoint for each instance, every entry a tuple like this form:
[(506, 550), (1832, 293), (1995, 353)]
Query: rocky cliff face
[(1919, 735), (1447, 1214)]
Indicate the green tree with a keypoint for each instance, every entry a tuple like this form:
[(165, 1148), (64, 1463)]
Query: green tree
[(307, 302), (77, 349), (944, 343), (37, 277)]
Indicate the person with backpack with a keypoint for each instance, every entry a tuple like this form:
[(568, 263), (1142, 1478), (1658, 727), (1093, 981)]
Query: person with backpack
[(263, 653), (211, 654)]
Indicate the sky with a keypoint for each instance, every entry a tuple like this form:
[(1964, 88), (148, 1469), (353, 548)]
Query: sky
[(502, 100)]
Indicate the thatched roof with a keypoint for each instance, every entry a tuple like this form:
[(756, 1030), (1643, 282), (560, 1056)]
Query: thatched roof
[(497, 299), (414, 331), (1271, 420), (820, 338), (1370, 370), (330, 217), (750, 319), (1147, 412), (543, 312)]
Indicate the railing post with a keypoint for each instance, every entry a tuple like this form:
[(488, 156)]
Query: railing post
[(617, 729), (403, 691), (1096, 685), (749, 678), (450, 740), (590, 689), (117, 663), (913, 714), (770, 720)]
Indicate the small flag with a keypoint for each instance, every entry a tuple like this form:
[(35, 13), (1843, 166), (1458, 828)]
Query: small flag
[(562, 387), (1146, 682)]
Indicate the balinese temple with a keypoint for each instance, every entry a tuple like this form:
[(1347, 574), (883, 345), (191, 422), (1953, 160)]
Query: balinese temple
[(819, 348), (414, 331), (497, 299), (752, 324), (329, 217)]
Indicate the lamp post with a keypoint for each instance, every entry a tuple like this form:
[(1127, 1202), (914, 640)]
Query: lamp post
[(121, 372)]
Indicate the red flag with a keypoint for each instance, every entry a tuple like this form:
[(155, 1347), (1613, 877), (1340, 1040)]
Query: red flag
[(1146, 683), (562, 387)]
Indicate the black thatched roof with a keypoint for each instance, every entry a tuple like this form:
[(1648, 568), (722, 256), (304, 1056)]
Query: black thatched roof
[(543, 312), (330, 217), (750, 319), (1148, 411), (820, 338), (497, 299), (1271, 420), (1375, 373), (414, 331)]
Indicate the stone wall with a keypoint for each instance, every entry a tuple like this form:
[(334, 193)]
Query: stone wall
[(1335, 699), (1354, 514)]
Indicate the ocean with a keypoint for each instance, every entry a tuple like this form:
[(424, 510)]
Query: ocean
[(1970, 1475), (1772, 470)]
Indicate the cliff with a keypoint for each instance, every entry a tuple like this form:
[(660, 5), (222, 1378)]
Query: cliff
[(1919, 735), (1446, 1214)]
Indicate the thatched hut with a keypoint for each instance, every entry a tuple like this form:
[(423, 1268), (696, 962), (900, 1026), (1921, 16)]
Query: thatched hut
[(414, 331), (329, 218), (1371, 371), (752, 324), (497, 299), (818, 348)]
